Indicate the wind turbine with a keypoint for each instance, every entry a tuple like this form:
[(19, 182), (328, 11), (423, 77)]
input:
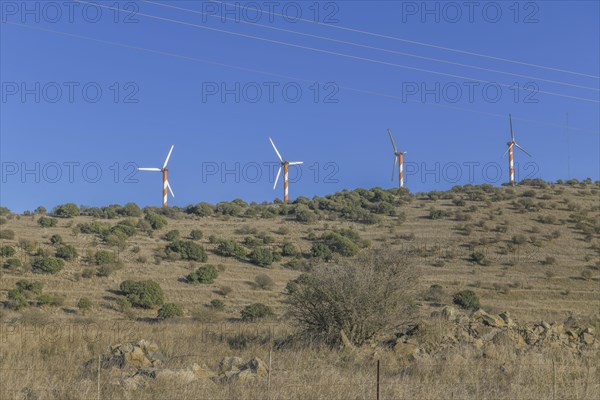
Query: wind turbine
[(165, 172), (510, 151), (285, 165), (398, 158)]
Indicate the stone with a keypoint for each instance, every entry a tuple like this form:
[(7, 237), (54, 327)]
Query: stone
[(587, 338), (202, 371), (487, 319), (136, 358), (506, 318), (545, 325), (147, 346), (229, 364), (448, 313), (257, 366)]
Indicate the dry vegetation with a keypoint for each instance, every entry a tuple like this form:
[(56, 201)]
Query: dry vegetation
[(532, 250)]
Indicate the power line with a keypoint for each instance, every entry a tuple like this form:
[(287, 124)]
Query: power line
[(376, 48), (344, 55), (422, 43), (246, 69)]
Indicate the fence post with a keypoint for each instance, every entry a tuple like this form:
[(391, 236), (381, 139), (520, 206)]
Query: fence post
[(377, 379), (269, 375)]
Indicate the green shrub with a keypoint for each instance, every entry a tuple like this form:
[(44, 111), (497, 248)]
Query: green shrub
[(68, 210), (479, 258), (255, 312), (143, 294), (217, 304), (187, 250), (293, 285), (289, 250), (7, 251), (48, 265), (155, 220), (205, 274), (200, 209), (322, 251), (103, 257), (12, 264), (45, 299), (16, 299), (56, 239), (29, 288), (340, 244), (264, 281), (47, 222), (230, 248), (84, 304), (130, 210), (170, 310), (466, 299), (66, 252), (172, 235), (305, 215), (437, 214), (196, 234), (519, 239), (261, 256), (7, 234)]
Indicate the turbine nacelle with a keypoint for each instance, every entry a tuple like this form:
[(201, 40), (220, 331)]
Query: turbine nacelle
[(164, 170)]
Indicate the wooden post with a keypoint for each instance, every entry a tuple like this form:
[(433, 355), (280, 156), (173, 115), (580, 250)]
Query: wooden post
[(98, 377), (553, 380), (269, 375), (377, 379)]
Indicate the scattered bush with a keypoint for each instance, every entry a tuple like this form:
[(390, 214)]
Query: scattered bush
[(187, 250), (169, 310), (196, 234), (47, 222), (66, 252), (84, 304), (68, 210), (519, 239), (289, 250), (30, 288), (205, 274), (437, 214), (225, 290), (155, 220), (103, 257), (466, 299), (217, 304), (7, 251), (56, 239), (48, 265), (479, 258), (16, 299), (172, 235), (7, 234), (230, 248), (586, 274), (12, 264), (143, 294), (201, 209), (255, 312), (261, 256), (264, 281), (549, 261)]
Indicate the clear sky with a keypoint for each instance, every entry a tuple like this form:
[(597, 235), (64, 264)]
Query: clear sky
[(116, 88)]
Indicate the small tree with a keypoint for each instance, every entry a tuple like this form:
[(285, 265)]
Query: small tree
[(56, 239), (84, 304), (170, 310), (47, 222), (7, 251), (261, 256), (196, 234), (187, 250), (66, 252), (103, 257), (172, 235), (264, 281), (68, 210), (255, 312)]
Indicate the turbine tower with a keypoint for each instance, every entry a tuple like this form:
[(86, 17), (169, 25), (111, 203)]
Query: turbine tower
[(285, 165), (511, 145), (398, 158), (165, 173)]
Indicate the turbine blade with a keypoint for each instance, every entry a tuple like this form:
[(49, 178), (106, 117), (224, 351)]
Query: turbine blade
[(523, 150), (170, 190), (296, 163), (277, 179), (506, 152), (168, 156), (149, 169), (394, 167), (512, 134), (276, 151), (393, 143)]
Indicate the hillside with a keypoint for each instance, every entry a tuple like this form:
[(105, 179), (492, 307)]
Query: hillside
[(532, 251)]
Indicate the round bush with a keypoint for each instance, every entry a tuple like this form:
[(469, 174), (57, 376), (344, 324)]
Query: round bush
[(196, 234), (143, 294), (217, 304), (170, 310), (68, 210), (205, 274), (466, 299), (187, 250), (255, 312), (84, 304), (56, 239), (172, 235), (7, 251), (262, 257), (66, 252), (12, 264), (47, 222), (103, 257)]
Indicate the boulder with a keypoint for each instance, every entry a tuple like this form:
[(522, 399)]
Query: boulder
[(136, 358), (487, 319), (506, 318), (229, 364), (587, 338), (449, 313)]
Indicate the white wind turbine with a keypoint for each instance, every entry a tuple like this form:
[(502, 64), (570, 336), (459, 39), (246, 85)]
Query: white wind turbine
[(165, 172), (285, 165)]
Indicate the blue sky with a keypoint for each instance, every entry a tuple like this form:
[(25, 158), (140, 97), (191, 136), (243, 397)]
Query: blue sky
[(170, 75)]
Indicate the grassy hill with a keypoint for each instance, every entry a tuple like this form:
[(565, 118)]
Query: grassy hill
[(532, 250)]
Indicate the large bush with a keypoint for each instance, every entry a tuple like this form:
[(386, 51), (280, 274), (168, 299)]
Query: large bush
[(466, 299), (103, 257), (261, 256), (48, 265), (230, 248), (144, 294), (200, 209), (370, 295), (66, 252), (205, 274), (47, 222), (187, 250), (255, 312), (68, 210), (155, 220), (7, 251)]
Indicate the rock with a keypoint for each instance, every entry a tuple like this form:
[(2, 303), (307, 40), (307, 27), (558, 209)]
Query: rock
[(406, 351), (136, 358), (134, 382), (147, 346), (545, 325), (487, 319), (587, 338), (506, 318), (180, 377), (257, 366), (229, 364), (202, 371), (449, 313)]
